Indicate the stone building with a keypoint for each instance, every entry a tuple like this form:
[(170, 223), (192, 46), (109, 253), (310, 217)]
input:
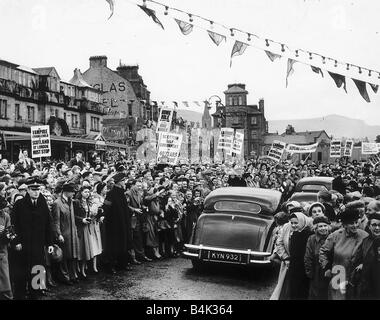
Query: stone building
[(126, 97), (237, 114), (30, 97)]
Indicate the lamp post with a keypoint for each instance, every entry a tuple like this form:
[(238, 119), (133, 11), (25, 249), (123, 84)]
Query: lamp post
[(218, 102)]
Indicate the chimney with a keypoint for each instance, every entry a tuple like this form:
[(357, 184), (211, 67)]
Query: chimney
[(98, 61), (261, 105), (128, 72)]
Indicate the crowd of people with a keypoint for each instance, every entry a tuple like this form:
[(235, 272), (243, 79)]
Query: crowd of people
[(74, 219)]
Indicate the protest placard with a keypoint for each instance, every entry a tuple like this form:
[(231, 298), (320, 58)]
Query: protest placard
[(349, 145), (164, 120), (169, 147), (237, 144), (374, 160), (335, 148), (369, 148), (226, 139), (277, 150), (40, 139), (294, 148)]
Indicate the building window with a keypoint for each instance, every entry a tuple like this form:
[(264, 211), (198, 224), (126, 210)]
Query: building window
[(240, 100), (253, 134), (17, 112), (236, 119), (253, 120), (230, 102), (130, 129), (64, 116), (130, 109), (3, 109), (30, 114), (74, 121), (56, 113), (95, 124), (319, 154)]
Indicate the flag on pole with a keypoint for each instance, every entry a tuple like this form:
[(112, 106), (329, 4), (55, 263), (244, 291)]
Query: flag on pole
[(290, 70), (216, 37), (238, 49), (317, 70), (362, 89), (185, 27), (151, 13), (272, 56), (112, 6), (339, 80), (374, 87)]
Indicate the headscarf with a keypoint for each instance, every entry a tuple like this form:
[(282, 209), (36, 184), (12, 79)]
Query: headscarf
[(303, 221)]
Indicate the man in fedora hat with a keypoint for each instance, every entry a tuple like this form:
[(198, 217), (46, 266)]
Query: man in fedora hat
[(65, 231), (31, 219)]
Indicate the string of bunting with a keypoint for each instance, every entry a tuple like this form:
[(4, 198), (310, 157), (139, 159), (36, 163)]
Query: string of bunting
[(219, 33)]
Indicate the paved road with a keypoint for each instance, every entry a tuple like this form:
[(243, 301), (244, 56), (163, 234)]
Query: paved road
[(173, 279)]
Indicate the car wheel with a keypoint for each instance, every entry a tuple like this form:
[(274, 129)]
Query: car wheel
[(197, 265)]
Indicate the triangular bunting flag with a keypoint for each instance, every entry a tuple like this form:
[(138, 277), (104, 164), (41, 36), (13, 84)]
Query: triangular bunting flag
[(197, 103), (339, 80), (216, 37), (185, 27), (238, 49), (290, 70), (175, 104), (374, 87), (317, 70), (272, 56), (112, 5), (361, 85), (186, 104), (151, 13)]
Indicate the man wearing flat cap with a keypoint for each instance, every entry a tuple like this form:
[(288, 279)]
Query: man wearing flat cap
[(117, 223), (31, 219)]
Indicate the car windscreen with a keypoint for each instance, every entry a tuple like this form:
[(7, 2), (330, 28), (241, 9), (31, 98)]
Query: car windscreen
[(313, 187), (238, 206)]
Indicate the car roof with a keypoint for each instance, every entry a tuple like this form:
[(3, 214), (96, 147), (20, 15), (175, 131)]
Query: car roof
[(316, 180), (268, 199), (303, 196)]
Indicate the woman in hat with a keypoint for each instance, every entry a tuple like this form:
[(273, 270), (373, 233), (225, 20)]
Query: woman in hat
[(318, 282), (366, 261), (337, 252), (316, 209), (5, 223), (83, 220)]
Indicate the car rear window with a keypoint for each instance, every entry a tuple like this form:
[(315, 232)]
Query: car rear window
[(237, 206), (313, 187)]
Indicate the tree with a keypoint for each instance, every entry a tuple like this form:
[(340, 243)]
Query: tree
[(378, 138)]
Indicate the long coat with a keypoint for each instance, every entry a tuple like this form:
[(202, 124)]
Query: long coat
[(117, 223), (338, 252), (34, 231), (5, 285), (298, 281), (318, 282), (368, 284), (64, 225), (85, 250)]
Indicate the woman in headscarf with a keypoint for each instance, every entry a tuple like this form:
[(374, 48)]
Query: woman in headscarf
[(291, 246), (336, 254), (318, 282)]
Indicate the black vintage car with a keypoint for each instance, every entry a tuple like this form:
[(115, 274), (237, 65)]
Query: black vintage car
[(306, 189), (235, 227)]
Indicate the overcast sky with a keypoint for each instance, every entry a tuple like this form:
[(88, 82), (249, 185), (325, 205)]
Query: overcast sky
[(64, 34)]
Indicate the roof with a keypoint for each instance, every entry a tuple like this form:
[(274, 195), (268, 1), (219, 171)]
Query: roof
[(46, 71), (235, 89), (27, 69), (78, 80), (266, 198), (287, 138)]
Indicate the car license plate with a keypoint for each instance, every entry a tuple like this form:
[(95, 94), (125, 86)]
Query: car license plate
[(223, 256)]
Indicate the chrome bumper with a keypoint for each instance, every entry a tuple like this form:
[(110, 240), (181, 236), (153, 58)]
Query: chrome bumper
[(194, 251)]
